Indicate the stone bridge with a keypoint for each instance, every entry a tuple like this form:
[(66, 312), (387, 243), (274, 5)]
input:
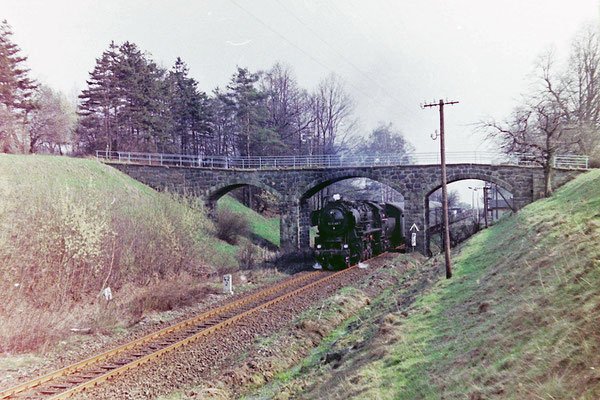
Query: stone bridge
[(293, 187)]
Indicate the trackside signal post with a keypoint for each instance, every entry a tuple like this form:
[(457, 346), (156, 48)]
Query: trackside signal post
[(444, 183)]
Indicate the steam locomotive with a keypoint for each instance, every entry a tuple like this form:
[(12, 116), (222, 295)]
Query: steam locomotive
[(353, 231)]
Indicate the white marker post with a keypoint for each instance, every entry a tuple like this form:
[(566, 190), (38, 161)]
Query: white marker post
[(227, 284), (413, 236)]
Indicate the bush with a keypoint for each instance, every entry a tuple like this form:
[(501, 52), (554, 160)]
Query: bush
[(70, 227), (231, 225), (248, 255)]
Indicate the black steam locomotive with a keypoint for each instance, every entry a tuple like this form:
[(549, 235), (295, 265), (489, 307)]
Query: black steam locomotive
[(352, 231)]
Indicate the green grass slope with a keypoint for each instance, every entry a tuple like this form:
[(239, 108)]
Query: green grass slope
[(71, 227), (520, 319), (264, 229)]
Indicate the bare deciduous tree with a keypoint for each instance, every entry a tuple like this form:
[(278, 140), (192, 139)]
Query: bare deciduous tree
[(580, 94), (536, 130), (561, 113), (52, 123), (287, 106), (332, 110)]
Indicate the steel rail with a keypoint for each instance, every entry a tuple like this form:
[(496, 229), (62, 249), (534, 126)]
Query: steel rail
[(146, 339), (192, 338)]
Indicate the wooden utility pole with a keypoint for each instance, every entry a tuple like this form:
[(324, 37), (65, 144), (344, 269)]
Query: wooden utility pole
[(444, 184)]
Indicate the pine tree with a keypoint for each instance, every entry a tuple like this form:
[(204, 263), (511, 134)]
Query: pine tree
[(16, 91), (126, 104), (99, 104), (247, 102), (190, 110), (16, 88)]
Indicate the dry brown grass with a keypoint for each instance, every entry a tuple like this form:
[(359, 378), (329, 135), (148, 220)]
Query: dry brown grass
[(70, 228)]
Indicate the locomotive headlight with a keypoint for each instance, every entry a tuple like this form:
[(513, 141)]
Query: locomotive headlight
[(319, 246), (345, 246)]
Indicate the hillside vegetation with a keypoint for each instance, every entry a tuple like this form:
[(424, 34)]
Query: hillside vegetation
[(72, 227), (519, 320)]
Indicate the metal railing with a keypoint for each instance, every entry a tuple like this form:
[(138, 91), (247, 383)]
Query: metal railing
[(329, 161), (571, 161)]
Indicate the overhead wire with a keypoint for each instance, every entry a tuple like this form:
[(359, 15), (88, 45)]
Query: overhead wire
[(285, 39), (342, 56), (371, 37), (328, 68)]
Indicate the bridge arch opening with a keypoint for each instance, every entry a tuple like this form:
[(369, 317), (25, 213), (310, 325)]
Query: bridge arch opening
[(318, 185), (473, 204), (350, 187), (260, 198)]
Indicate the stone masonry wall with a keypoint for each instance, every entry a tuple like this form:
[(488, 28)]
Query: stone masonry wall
[(293, 187)]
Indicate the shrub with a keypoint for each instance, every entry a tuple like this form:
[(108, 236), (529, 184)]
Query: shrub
[(247, 255), (231, 225)]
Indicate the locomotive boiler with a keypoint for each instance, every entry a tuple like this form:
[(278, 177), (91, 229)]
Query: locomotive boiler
[(353, 231)]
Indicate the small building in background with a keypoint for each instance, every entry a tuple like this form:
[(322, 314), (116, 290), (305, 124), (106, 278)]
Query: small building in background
[(499, 202)]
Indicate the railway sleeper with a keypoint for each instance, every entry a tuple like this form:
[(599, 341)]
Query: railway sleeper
[(97, 372), (60, 386), (48, 391)]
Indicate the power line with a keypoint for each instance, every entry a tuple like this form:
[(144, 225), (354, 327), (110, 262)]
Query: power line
[(341, 55), (293, 44), (370, 38), (280, 35), (308, 54)]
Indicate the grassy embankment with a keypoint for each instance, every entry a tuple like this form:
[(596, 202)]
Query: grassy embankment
[(71, 227), (519, 320)]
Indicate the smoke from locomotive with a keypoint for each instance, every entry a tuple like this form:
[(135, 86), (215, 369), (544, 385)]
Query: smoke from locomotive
[(352, 231)]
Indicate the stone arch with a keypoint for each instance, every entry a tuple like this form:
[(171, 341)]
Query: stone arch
[(455, 177), (322, 182), (214, 193)]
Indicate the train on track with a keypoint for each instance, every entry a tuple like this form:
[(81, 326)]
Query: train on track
[(354, 231)]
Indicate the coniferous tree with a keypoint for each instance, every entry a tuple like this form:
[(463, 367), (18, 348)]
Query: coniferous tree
[(16, 88), (190, 111), (16, 91), (144, 117), (246, 101), (224, 124), (99, 105), (126, 104)]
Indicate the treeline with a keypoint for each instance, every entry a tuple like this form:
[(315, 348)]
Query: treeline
[(130, 103)]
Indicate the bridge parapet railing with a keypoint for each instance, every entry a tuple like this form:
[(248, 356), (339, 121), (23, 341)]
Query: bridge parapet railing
[(330, 160), (571, 161)]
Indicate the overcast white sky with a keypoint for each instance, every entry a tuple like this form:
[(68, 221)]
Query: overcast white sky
[(393, 55)]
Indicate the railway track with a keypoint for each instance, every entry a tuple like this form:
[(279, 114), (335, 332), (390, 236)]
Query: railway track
[(88, 373)]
